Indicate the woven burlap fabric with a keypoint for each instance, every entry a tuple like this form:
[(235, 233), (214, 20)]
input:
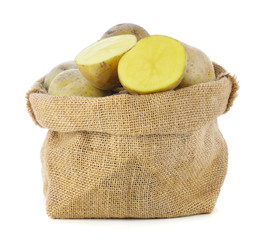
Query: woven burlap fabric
[(128, 156)]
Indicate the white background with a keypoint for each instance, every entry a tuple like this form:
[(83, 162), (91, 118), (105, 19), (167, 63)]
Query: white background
[(37, 35)]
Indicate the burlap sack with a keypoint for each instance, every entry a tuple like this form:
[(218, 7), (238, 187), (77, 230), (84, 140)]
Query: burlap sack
[(126, 156)]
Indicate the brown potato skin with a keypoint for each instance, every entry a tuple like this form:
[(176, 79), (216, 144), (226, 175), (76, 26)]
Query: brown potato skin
[(72, 83), (58, 69), (199, 68), (126, 28)]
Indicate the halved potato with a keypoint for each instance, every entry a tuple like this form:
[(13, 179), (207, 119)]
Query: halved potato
[(98, 62), (156, 63)]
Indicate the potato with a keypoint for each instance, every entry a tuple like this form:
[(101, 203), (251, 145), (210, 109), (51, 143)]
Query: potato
[(199, 67), (98, 62), (156, 63), (72, 83), (126, 28), (56, 70)]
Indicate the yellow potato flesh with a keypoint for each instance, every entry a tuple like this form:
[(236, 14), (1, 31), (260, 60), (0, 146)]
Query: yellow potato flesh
[(98, 62), (156, 63)]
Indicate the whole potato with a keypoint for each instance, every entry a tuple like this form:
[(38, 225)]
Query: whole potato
[(72, 83), (199, 68), (126, 28), (58, 69)]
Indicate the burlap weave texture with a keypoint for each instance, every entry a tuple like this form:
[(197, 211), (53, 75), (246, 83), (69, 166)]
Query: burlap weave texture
[(126, 156)]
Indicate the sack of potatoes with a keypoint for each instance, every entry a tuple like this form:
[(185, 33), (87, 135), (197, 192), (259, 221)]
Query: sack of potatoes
[(132, 128)]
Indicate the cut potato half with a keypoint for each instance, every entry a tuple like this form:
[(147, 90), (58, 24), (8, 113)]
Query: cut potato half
[(98, 62), (156, 63)]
